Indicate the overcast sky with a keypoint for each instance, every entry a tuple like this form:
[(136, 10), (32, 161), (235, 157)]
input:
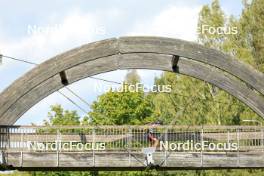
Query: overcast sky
[(71, 23)]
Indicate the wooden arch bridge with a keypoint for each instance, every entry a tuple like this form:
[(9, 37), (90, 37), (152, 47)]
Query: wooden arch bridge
[(156, 53)]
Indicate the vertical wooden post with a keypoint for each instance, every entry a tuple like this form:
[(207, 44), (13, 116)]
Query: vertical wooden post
[(202, 131), (1, 141), (165, 149), (93, 131), (262, 138), (21, 148), (8, 131), (2, 157), (58, 145), (238, 147), (228, 142), (129, 137), (228, 137)]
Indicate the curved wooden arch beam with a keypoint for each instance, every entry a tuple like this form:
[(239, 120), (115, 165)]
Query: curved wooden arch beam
[(52, 67), (51, 72), (196, 52), (185, 66)]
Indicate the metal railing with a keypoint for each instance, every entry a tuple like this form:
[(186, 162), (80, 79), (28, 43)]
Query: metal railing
[(125, 146), (121, 138)]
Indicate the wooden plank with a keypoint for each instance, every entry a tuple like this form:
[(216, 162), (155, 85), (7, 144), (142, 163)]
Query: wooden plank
[(121, 160)]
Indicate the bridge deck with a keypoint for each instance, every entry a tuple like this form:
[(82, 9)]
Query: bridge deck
[(120, 148), (125, 161)]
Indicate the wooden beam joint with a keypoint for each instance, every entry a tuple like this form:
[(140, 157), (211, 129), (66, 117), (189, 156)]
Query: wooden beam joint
[(64, 79), (175, 60)]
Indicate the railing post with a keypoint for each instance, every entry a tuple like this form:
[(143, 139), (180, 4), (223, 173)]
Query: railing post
[(1, 147), (165, 149), (129, 137), (202, 133), (93, 147), (5, 145), (2, 157), (1, 138), (238, 147), (8, 131), (21, 148), (228, 137), (262, 139), (57, 146)]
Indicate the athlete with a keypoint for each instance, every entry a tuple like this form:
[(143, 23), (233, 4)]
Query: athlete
[(154, 141)]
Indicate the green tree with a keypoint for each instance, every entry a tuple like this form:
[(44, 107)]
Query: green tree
[(211, 16), (194, 102), (255, 15), (248, 44), (126, 106), (117, 108), (59, 116), (132, 77)]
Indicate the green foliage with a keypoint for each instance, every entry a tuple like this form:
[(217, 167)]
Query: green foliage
[(208, 98), (212, 16), (123, 107), (59, 116), (248, 44), (193, 102), (253, 21), (132, 77), (16, 173), (237, 45)]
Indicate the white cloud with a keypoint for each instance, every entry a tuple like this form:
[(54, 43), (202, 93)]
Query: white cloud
[(47, 40), (75, 29), (175, 21)]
